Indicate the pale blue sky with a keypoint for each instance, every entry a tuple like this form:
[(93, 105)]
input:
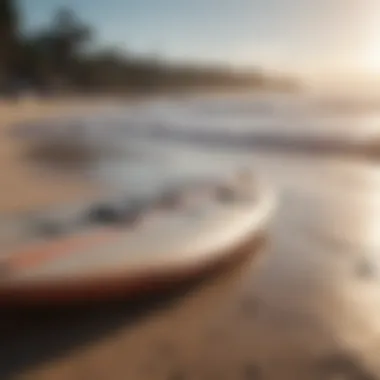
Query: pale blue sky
[(292, 35)]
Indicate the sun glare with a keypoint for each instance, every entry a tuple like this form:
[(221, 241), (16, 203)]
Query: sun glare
[(371, 53), (371, 57)]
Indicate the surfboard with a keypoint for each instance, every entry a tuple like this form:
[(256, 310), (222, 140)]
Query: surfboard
[(129, 243)]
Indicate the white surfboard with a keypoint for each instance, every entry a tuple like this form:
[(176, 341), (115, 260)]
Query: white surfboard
[(127, 244)]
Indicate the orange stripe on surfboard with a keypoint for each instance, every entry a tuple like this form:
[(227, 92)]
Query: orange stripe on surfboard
[(40, 253)]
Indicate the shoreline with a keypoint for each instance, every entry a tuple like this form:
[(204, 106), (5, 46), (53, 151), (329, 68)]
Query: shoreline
[(25, 187)]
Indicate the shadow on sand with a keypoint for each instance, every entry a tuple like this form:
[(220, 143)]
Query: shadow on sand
[(30, 336)]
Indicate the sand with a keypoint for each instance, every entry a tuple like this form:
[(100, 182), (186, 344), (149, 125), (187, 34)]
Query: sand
[(23, 187), (300, 307)]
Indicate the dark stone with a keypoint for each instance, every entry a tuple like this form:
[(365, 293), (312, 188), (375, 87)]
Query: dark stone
[(110, 214), (105, 214)]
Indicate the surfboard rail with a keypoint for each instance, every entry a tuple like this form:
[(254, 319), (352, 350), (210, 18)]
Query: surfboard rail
[(178, 259)]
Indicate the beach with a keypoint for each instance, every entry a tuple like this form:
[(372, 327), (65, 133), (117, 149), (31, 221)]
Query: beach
[(302, 304), (23, 187)]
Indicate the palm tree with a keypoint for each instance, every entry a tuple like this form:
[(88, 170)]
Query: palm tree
[(68, 35), (9, 38)]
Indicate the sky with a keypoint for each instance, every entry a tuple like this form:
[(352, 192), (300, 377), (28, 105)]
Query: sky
[(312, 37)]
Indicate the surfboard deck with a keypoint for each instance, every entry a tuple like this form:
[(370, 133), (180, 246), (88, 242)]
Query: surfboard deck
[(129, 244)]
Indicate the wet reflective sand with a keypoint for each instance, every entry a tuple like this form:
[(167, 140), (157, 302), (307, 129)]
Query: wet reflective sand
[(303, 305)]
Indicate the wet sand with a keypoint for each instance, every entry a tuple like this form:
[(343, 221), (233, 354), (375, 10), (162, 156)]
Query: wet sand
[(22, 186), (304, 304)]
